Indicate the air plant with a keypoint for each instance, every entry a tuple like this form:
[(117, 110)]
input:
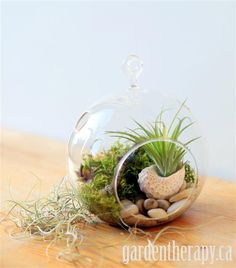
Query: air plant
[(167, 155), (58, 217)]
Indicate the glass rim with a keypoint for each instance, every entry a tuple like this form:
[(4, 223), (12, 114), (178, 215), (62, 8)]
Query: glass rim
[(116, 177)]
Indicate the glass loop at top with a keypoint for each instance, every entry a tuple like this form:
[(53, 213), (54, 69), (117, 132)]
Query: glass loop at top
[(133, 67)]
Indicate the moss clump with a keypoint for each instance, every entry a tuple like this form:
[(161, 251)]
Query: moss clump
[(128, 186), (99, 202), (103, 163), (98, 172), (189, 173)]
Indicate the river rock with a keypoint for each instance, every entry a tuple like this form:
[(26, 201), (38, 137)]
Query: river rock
[(140, 220), (164, 204), (150, 203), (181, 195), (126, 202), (158, 213), (128, 210), (176, 205), (139, 204)]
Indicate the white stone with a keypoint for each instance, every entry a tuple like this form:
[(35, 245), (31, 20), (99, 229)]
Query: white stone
[(140, 220), (126, 202), (129, 210), (139, 204), (176, 206), (181, 195), (158, 213), (162, 203), (150, 203)]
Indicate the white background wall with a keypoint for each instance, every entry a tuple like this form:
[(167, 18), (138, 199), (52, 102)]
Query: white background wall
[(59, 57)]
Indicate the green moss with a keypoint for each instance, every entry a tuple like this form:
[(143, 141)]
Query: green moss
[(128, 186), (103, 163), (189, 173), (98, 171), (98, 202)]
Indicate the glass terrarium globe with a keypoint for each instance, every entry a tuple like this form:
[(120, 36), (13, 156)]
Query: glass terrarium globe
[(136, 157)]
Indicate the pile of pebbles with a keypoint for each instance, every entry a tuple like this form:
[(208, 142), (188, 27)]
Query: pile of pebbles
[(148, 212)]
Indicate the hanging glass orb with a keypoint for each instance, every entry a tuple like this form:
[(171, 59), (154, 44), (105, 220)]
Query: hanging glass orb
[(137, 158)]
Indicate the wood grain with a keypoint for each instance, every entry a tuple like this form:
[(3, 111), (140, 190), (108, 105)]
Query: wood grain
[(25, 157)]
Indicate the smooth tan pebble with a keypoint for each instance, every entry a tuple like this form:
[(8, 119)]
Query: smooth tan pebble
[(150, 203), (181, 195), (139, 204), (176, 205), (128, 211), (162, 203), (126, 202), (140, 220), (158, 213)]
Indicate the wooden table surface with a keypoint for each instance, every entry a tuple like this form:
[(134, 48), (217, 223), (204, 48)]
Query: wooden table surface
[(25, 156)]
